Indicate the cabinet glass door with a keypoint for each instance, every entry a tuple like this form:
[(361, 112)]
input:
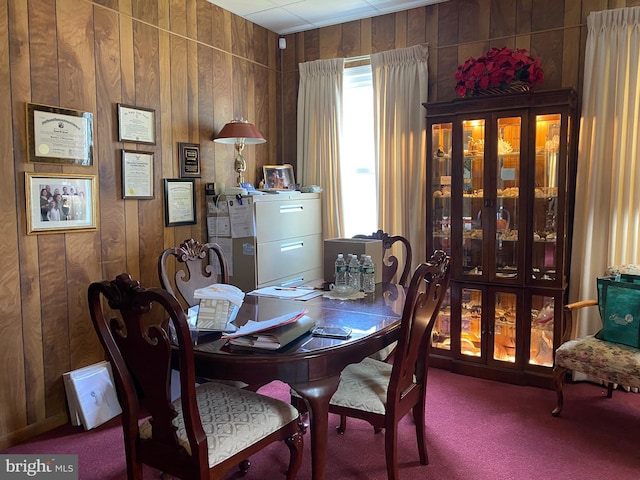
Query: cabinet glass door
[(473, 132), (504, 327), (542, 321), (471, 323), (441, 136), (545, 209), (508, 196)]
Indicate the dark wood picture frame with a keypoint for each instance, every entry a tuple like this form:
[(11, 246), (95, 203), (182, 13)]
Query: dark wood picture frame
[(137, 175), (180, 202), (189, 154), (136, 124)]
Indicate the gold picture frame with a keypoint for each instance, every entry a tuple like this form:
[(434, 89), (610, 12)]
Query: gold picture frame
[(61, 203)]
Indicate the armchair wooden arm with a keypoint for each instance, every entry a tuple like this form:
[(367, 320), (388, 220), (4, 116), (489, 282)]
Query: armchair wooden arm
[(567, 325)]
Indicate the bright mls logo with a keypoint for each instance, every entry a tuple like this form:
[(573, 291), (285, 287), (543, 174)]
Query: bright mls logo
[(50, 467)]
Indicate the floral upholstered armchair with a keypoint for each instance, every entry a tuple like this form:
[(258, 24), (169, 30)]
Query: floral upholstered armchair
[(612, 363)]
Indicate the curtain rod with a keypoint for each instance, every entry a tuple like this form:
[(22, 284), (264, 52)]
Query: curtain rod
[(360, 58)]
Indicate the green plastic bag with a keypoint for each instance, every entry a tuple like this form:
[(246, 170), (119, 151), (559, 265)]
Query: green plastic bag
[(619, 304)]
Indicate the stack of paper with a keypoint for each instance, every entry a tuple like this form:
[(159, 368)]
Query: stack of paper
[(91, 395), (294, 293), (219, 305), (272, 334)]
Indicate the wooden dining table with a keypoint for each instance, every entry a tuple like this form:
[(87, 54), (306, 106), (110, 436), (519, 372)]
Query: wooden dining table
[(310, 365)]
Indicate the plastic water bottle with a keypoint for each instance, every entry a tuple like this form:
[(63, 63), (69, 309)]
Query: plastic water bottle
[(340, 272), (354, 273), (368, 275)]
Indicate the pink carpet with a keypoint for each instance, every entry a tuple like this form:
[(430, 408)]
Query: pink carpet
[(477, 430)]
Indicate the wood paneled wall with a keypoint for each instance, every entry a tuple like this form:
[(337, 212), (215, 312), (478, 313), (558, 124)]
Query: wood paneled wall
[(553, 30), (198, 67)]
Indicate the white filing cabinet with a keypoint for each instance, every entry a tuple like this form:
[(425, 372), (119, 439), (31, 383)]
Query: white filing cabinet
[(287, 247)]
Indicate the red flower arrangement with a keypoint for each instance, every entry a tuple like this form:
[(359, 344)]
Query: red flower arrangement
[(498, 68)]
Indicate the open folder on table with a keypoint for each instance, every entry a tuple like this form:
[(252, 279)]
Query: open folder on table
[(272, 334)]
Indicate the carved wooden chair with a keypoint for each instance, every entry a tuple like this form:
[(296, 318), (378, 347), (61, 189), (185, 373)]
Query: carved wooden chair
[(381, 393), (192, 261), (390, 261), (211, 427)]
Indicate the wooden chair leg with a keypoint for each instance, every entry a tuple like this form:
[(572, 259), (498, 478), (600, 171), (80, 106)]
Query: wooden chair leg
[(558, 376), (343, 425), (419, 419), (390, 451), (295, 445)]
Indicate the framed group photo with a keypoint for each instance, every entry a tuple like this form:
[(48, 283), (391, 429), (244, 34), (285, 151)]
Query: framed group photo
[(60, 203)]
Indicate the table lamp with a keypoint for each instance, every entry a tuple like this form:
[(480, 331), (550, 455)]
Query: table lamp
[(239, 133)]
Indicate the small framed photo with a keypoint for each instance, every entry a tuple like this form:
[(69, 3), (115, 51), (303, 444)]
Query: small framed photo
[(189, 154), (61, 203), (58, 135), (136, 124), (179, 202), (279, 177), (137, 175)]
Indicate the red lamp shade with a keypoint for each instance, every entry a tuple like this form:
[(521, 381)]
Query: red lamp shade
[(239, 131)]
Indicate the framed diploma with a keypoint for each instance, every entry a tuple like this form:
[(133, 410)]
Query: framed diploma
[(59, 135), (189, 154), (179, 202), (60, 202), (136, 124), (137, 175)]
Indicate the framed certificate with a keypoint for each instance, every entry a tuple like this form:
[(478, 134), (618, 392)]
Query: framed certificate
[(136, 124), (61, 203), (59, 135), (179, 202), (137, 175), (189, 154)]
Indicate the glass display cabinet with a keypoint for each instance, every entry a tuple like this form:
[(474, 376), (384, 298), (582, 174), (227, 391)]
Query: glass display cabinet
[(501, 175)]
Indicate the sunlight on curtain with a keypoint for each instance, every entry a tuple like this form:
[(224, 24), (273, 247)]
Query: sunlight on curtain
[(400, 88), (319, 127), (607, 205)]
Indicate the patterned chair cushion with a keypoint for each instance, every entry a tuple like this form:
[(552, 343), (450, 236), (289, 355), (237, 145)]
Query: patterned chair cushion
[(626, 268), (232, 419), (610, 362), (363, 386)]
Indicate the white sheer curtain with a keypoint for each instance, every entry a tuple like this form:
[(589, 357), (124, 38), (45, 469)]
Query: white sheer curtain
[(319, 128), (400, 87), (607, 206)]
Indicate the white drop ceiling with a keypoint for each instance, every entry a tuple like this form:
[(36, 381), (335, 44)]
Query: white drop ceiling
[(291, 16)]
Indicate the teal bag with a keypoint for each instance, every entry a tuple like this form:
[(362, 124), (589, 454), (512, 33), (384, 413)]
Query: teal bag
[(619, 304)]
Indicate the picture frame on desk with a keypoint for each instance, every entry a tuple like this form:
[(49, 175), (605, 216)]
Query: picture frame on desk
[(279, 177)]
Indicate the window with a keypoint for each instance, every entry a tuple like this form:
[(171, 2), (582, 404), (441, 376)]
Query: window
[(357, 167)]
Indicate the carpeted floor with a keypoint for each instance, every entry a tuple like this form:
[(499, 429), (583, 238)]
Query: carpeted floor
[(477, 430)]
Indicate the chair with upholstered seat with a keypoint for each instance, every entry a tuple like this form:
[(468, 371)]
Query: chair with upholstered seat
[(381, 393), (390, 262), (211, 427), (192, 262), (609, 362)]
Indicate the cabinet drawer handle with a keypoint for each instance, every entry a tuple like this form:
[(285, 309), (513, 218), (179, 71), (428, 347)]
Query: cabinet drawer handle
[(285, 247), (290, 208)]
